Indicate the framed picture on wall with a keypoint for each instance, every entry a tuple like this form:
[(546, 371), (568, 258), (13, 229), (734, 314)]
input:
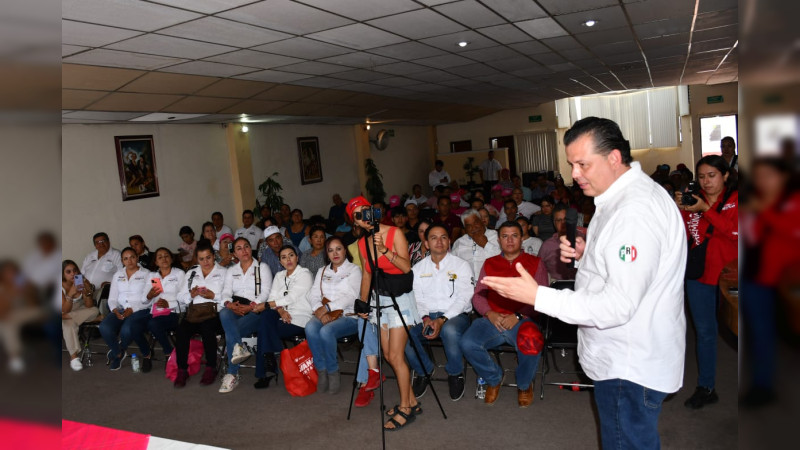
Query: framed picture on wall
[(136, 162), (310, 164)]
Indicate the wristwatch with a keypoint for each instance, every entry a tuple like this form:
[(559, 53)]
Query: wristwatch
[(519, 316), (445, 319)]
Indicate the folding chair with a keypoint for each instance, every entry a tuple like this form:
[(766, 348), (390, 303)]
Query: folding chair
[(91, 330), (561, 338)]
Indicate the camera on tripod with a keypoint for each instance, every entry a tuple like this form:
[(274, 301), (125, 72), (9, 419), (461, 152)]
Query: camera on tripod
[(686, 197), (370, 215)]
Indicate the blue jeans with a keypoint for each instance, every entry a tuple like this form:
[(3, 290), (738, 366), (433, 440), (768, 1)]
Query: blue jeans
[(628, 414), (118, 334), (703, 305), (159, 326), (758, 318), (235, 326), (482, 336), (271, 332), (323, 341), (451, 334)]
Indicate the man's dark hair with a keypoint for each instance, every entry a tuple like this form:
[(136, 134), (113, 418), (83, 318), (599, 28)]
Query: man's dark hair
[(216, 213), (137, 238), (523, 218), (549, 199), (509, 201), (246, 212), (436, 225), (559, 207), (204, 245), (316, 228), (101, 234), (186, 229), (728, 138), (511, 224), (439, 162), (443, 197), (606, 135), (399, 211)]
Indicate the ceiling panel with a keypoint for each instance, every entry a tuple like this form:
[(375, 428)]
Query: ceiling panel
[(471, 14), (562, 43), (473, 70), (605, 18), (209, 68), (168, 83), (89, 35), (717, 19), (530, 47), (504, 34), (123, 101), (515, 10), (314, 68), (396, 82), (558, 7), (67, 50), (445, 61), (512, 64), (254, 107), (417, 24), (401, 68), (297, 109), (113, 58), (286, 16), (124, 14), (664, 27), (651, 10), (321, 82), (204, 6), (360, 75), (76, 99), (75, 76), (155, 44), (358, 59), (449, 42), (364, 10), (542, 28), (432, 76), (329, 96), (273, 76), (303, 48), (102, 115), (225, 32), (203, 105), (407, 51), (287, 93), (234, 88), (357, 36), (253, 58)]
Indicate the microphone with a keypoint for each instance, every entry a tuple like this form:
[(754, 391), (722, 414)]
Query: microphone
[(572, 225)]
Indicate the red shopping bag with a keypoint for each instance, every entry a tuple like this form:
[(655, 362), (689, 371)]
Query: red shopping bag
[(195, 355), (299, 374)]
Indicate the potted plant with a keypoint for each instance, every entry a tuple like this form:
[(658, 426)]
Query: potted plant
[(374, 183), (270, 191), (471, 170)]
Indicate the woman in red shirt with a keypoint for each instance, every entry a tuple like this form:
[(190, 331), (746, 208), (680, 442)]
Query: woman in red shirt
[(395, 281), (714, 219)]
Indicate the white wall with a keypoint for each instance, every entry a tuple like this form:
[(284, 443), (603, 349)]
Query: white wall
[(273, 148), (406, 161), (193, 174)]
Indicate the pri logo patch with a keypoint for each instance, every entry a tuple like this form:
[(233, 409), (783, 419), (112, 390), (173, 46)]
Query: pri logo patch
[(628, 253)]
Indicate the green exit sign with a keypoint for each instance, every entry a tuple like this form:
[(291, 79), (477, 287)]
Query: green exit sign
[(714, 99), (533, 119), (391, 133)]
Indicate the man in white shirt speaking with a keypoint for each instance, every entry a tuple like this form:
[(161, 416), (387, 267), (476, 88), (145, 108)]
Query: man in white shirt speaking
[(443, 289), (628, 298)]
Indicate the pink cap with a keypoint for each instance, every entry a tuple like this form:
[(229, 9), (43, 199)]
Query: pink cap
[(394, 201)]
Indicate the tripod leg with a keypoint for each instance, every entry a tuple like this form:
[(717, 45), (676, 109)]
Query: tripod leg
[(360, 346)]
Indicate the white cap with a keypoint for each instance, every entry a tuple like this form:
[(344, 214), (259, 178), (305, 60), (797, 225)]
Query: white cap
[(409, 202), (270, 230)]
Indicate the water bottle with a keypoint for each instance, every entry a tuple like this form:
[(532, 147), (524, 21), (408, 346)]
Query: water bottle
[(137, 368), (480, 391)]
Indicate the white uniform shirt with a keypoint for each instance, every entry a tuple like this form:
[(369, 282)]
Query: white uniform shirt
[(130, 292), (532, 245), (244, 284), (491, 169), (628, 298), (526, 209), (223, 230), (172, 286), (418, 200), (252, 234), (466, 249), (101, 270), (292, 293), (213, 282), (435, 177), (341, 287), (447, 289)]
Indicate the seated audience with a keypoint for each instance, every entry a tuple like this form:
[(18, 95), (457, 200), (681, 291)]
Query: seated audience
[(313, 221), (541, 187), (225, 256), (129, 301), (298, 229), (530, 244), (270, 253), (400, 220), (412, 212), (100, 265), (165, 310), (284, 219), (337, 212), (510, 213), (419, 249), (244, 293), (187, 247), (145, 257), (433, 200), (542, 222), (478, 244), (77, 307), (314, 258), (443, 290), (249, 229), (416, 195), (219, 224), (502, 319), (550, 252), (486, 218), (210, 234), (446, 217), (438, 176), (266, 215), (203, 284), (331, 298), (497, 201), (526, 191), (505, 179)]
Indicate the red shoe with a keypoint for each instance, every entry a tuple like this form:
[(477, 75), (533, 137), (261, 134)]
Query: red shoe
[(364, 397), (373, 381), (180, 379), (209, 376)]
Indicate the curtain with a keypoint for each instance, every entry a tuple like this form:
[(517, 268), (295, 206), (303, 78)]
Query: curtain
[(536, 151)]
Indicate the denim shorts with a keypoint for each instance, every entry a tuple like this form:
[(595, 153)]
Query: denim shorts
[(389, 317)]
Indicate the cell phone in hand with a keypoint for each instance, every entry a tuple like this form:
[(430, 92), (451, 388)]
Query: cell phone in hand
[(428, 331), (157, 284), (79, 282)]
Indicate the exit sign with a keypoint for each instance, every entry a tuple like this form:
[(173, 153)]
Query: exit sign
[(714, 99), (533, 119)]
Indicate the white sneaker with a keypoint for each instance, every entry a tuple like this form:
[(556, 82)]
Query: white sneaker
[(229, 383), (76, 365), (240, 354)]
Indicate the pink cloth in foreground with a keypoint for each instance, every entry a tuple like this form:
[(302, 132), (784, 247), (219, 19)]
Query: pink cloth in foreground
[(76, 435), (26, 435)]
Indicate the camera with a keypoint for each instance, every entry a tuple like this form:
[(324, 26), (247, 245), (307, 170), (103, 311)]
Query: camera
[(686, 197), (369, 215)]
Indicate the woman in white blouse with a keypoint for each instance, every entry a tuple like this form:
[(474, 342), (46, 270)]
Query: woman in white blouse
[(77, 307), (165, 310), (289, 313), (129, 302), (335, 288)]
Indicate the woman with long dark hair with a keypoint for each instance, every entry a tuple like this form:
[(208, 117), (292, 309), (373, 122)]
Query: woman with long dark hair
[(711, 221), (77, 307), (165, 310)]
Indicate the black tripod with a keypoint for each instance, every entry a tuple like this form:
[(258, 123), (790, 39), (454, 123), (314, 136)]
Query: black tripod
[(374, 289)]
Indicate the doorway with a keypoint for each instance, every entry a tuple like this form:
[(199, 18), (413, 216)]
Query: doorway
[(507, 142)]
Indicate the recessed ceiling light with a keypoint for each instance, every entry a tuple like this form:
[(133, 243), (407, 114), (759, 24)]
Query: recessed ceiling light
[(589, 23), (245, 129), (463, 44)]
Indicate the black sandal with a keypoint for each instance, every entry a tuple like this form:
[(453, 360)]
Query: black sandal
[(416, 409), (408, 419)]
